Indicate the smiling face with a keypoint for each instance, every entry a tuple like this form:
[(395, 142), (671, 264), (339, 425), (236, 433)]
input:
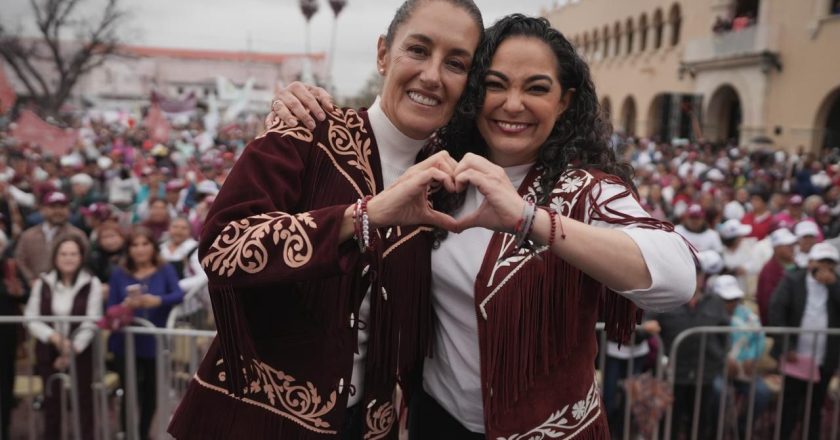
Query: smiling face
[(522, 102), (426, 67)]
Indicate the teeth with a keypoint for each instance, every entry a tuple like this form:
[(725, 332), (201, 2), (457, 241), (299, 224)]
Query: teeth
[(420, 99), (512, 127)]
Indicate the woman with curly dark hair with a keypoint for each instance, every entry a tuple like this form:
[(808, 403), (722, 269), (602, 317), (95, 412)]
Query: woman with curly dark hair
[(552, 237)]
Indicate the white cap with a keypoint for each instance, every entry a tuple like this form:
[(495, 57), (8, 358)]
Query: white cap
[(710, 262), (715, 175), (824, 251), (806, 228), (734, 210), (207, 187), (734, 228), (81, 179), (726, 287), (782, 237)]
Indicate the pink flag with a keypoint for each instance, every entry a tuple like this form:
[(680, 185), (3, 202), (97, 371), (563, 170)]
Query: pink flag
[(157, 125), (7, 93), (34, 130)]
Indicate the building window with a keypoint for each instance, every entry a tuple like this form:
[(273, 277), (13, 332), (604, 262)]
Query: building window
[(835, 7), (643, 33), (629, 36), (595, 44), (657, 29), (675, 18), (617, 32), (606, 42), (586, 44)]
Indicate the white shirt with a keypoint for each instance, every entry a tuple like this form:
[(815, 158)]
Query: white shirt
[(814, 317), (709, 239), (62, 305), (397, 152), (452, 376)]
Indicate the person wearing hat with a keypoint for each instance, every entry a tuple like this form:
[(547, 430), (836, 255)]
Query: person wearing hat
[(738, 252), (745, 350), (829, 226), (808, 234), (783, 242), (703, 309), (33, 247), (807, 298), (695, 229)]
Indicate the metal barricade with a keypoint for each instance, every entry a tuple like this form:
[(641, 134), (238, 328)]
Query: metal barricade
[(703, 333), (178, 351)]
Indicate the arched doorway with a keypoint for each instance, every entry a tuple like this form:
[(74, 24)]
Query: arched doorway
[(724, 115), (828, 122), (628, 116), (657, 117)]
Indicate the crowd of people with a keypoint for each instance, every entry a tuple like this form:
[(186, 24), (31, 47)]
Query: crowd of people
[(765, 224), (108, 231)]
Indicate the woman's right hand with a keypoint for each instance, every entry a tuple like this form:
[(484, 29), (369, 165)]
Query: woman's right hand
[(298, 102), (406, 201)]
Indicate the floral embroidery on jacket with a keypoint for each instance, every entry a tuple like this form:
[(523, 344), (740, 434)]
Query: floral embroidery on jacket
[(242, 244), (379, 420), (560, 426)]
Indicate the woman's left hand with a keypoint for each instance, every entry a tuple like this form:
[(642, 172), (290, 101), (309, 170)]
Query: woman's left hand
[(502, 207)]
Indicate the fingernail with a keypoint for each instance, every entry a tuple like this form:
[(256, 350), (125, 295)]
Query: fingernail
[(321, 116), (293, 123), (310, 125)]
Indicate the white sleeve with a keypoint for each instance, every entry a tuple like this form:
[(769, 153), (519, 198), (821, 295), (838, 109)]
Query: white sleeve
[(198, 279), (22, 198), (94, 312), (40, 330), (668, 258)]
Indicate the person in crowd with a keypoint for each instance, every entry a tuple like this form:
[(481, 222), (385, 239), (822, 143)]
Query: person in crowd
[(32, 251), (123, 189), (829, 227), (301, 286), (68, 289), (695, 229), (158, 219), (179, 246), (809, 299), (525, 83), (14, 292), (760, 217), (703, 309), (95, 215), (107, 251), (782, 261), (808, 234), (738, 253), (146, 284), (745, 351)]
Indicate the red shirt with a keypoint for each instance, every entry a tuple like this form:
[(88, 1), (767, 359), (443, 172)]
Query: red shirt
[(769, 277), (761, 226)]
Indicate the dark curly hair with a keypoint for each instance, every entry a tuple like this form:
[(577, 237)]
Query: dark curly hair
[(581, 135)]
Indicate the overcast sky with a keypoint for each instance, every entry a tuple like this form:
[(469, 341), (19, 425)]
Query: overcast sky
[(267, 26)]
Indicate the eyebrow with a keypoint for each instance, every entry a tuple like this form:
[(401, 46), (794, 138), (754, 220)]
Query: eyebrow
[(531, 78), (459, 51)]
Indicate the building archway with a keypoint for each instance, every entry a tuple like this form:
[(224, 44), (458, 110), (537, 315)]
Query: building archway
[(628, 116), (828, 122), (657, 119), (725, 114)]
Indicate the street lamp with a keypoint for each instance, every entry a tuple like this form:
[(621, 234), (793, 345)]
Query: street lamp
[(337, 6), (308, 8)]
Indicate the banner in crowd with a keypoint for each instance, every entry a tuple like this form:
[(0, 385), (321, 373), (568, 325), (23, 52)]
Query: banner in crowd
[(35, 131), (157, 125), (7, 93), (183, 104)]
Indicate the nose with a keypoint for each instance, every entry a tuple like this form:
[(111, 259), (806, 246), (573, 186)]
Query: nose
[(513, 102), (430, 75)]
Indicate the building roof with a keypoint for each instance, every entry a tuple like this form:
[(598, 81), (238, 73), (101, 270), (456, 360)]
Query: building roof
[(219, 55)]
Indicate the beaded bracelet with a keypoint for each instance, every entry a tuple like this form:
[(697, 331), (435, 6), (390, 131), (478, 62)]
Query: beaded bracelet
[(361, 224)]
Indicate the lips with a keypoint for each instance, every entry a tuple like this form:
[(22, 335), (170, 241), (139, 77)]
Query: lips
[(511, 127), (424, 99)]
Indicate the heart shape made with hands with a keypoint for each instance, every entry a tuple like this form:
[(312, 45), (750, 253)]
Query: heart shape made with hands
[(500, 210)]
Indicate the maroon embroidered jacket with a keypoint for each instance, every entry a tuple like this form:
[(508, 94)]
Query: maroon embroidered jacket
[(286, 294), (536, 319)]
